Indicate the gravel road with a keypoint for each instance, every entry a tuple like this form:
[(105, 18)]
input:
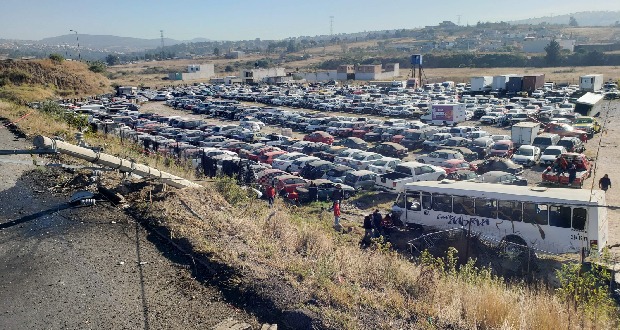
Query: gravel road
[(91, 267)]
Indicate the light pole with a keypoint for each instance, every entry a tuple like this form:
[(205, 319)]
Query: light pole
[(77, 40)]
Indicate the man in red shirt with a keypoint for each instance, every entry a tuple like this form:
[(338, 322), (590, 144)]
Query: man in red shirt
[(271, 194)]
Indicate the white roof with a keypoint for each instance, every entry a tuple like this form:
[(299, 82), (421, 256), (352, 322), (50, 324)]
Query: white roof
[(590, 98), (518, 193)]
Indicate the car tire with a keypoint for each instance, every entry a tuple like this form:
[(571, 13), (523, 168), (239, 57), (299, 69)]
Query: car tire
[(441, 177), (421, 161)]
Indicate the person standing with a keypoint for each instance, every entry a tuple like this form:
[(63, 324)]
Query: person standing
[(572, 173), (366, 240), (337, 214), (271, 194), (376, 223), (604, 183), (313, 192)]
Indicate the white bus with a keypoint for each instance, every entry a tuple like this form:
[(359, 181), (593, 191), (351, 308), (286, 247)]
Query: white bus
[(559, 220)]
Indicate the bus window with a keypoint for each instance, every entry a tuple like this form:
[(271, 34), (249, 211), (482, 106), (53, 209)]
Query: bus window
[(559, 216), (509, 210), (536, 213), (400, 201), (442, 203), (579, 218), (463, 205), (426, 201), (413, 201), (486, 208)]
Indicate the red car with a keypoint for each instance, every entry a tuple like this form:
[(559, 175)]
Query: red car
[(502, 148), (256, 154), (319, 136), (454, 165), (564, 130), (289, 183)]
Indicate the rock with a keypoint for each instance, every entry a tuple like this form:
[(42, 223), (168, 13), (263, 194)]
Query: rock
[(301, 319)]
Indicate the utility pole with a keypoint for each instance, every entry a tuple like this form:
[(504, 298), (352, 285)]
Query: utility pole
[(458, 21), (77, 40), (162, 44)]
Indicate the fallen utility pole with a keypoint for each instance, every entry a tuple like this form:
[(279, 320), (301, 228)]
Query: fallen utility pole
[(115, 163)]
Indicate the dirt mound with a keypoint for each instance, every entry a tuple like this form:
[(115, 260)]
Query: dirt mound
[(65, 79)]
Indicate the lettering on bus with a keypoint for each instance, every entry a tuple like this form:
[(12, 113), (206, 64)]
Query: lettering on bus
[(579, 237), (460, 220)]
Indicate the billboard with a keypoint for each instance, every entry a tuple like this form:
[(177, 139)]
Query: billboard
[(416, 59), (443, 112)]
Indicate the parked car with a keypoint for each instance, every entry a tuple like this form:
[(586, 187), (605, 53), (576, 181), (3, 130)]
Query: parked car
[(502, 178), (527, 155), (352, 142), (361, 160), (564, 130), (283, 161), (499, 164), (502, 148), (288, 183), (454, 165), (437, 140), (572, 144), (481, 146), (545, 140), (319, 136), (550, 154), (464, 175), (409, 172), (338, 173), (439, 156), (588, 124), (325, 189), (361, 180), (384, 165), (390, 149), (299, 163)]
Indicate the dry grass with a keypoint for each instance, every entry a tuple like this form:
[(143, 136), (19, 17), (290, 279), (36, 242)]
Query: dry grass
[(355, 288)]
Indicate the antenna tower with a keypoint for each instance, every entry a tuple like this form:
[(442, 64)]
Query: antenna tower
[(458, 20), (331, 25), (162, 44)]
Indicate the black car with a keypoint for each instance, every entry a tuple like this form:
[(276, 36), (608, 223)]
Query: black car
[(390, 149), (499, 164)]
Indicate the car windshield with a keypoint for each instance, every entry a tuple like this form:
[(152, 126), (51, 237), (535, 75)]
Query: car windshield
[(451, 143), (360, 156), (501, 147), (552, 152), (525, 152)]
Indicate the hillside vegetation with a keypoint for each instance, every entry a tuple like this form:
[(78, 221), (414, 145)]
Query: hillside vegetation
[(35, 80)]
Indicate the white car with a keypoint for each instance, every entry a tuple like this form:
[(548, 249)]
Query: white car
[(344, 157), (384, 165), (299, 163), (497, 137), (284, 160), (551, 154), (526, 155), (361, 160)]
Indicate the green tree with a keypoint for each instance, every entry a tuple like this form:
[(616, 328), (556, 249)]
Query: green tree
[(216, 51), (97, 67), (112, 60), (553, 56), (57, 58), (229, 68), (572, 22)]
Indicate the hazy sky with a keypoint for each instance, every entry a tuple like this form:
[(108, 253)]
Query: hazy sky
[(265, 19)]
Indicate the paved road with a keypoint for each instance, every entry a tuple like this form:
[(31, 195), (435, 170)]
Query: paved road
[(90, 268)]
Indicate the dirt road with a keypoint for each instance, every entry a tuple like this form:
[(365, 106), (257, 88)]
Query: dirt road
[(91, 267)]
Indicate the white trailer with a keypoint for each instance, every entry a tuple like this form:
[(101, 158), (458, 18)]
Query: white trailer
[(591, 82), (499, 82), (481, 84), (445, 114), (524, 132)]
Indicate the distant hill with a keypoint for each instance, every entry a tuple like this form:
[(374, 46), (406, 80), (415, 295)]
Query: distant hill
[(585, 18), (111, 43)]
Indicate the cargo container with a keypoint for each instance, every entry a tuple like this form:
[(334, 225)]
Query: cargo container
[(445, 114), (514, 84), (591, 82), (481, 84), (499, 82), (533, 82), (589, 104)]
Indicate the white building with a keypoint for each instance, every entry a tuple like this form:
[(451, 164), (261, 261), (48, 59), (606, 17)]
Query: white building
[(375, 72), (538, 45), (261, 75), (194, 72)]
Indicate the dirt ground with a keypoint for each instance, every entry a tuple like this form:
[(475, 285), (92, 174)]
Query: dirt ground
[(92, 267)]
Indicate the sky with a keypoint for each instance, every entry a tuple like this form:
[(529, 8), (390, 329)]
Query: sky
[(265, 19)]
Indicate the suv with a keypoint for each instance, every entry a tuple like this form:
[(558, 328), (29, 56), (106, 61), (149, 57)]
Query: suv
[(572, 144), (545, 140)]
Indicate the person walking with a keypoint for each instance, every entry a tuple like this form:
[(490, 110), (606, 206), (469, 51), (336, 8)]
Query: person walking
[(271, 194), (572, 173), (336, 214), (604, 183)]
